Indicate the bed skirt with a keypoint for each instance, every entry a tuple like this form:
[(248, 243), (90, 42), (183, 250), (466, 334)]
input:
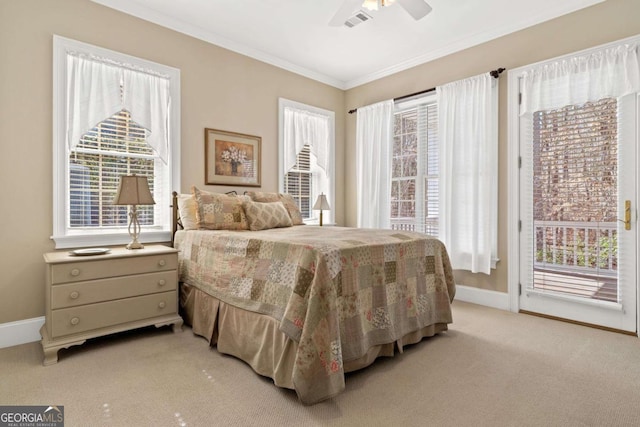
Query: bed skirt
[(256, 339)]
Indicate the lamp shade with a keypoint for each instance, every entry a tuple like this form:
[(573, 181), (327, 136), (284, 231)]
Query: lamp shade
[(321, 203), (133, 190)]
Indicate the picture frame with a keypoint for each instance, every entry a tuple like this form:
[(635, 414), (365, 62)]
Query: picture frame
[(232, 158)]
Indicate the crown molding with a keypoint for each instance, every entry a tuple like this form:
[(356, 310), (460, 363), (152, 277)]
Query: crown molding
[(135, 9), (147, 14)]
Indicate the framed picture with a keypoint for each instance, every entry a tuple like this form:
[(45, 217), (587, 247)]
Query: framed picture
[(231, 158)]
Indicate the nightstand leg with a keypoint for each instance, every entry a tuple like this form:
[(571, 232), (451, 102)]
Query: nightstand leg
[(51, 352), (177, 327), (50, 356), (51, 349)]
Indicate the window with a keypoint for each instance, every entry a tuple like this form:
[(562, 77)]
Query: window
[(88, 165), (307, 156), (297, 182), (436, 170), (414, 176)]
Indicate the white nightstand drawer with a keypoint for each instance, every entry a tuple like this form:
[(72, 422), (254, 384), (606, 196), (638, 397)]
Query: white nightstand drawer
[(80, 293), (74, 320), (88, 270)]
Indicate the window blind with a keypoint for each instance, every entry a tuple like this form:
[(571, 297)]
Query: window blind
[(431, 174), (298, 182), (575, 199), (115, 147)]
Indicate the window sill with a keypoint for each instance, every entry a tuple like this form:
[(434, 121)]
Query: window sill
[(324, 223), (114, 239)]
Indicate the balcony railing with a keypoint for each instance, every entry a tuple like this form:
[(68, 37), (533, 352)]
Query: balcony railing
[(576, 247), (406, 224), (429, 225)]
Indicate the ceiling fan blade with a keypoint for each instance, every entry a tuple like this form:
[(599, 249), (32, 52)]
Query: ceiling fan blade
[(348, 8), (418, 9)]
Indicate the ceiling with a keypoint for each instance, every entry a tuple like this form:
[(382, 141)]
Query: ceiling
[(295, 35)]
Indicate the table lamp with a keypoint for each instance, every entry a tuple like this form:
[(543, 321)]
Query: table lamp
[(133, 190), (321, 204)]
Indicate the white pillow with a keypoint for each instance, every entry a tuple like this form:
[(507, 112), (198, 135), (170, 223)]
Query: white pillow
[(187, 207)]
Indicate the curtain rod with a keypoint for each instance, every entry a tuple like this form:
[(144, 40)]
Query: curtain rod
[(494, 73)]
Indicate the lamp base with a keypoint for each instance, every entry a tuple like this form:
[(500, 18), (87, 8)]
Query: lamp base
[(135, 245), (134, 230)]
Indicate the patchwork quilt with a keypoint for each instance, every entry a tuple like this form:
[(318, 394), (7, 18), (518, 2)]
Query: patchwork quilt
[(336, 291)]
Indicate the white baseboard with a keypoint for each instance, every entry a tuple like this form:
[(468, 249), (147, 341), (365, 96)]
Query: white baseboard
[(493, 299), (20, 332)]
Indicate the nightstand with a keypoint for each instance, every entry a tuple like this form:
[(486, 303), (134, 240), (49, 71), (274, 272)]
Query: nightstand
[(91, 296)]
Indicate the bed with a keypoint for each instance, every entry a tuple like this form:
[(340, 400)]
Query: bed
[(305, 304)]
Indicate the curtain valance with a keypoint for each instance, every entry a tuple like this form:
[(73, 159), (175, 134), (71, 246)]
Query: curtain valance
[(610, 72), (305, 128), (96, 90)]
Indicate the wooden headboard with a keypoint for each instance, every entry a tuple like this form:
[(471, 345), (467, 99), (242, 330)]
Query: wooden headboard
[(175, 216)]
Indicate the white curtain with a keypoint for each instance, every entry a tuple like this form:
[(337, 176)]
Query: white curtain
[(373, 167), (96, 90), (93, 94), (305, 128), (302, 128), (147, 98), (468, 134), (611, 72)]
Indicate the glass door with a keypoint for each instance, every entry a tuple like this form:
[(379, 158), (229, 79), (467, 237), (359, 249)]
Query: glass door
[(578, 213)]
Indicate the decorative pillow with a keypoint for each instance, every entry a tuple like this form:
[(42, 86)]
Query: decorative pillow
[(264, 197), (292, 207), (286, 199), (262, 216), (187, 207), (219, 211)]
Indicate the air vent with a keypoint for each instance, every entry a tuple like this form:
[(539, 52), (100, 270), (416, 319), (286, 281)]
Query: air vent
[(358, 18)]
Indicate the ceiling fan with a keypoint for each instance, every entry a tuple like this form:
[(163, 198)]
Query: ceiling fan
[(416, 8)]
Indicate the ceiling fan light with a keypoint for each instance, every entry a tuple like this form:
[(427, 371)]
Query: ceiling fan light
[(370, 4)]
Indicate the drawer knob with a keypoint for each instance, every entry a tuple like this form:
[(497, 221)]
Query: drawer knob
[(162, 282), (162, 304), (75, 321), (162, 263), (75, 272), (74, 295)]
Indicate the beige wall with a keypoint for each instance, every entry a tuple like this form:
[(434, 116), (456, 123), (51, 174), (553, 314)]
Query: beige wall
[(605, 22), (220, 89)]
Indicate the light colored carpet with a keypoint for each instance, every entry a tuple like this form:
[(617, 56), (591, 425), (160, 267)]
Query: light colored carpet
[(492, 368)]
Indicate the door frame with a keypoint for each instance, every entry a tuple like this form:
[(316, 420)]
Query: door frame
[(513, 176)]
